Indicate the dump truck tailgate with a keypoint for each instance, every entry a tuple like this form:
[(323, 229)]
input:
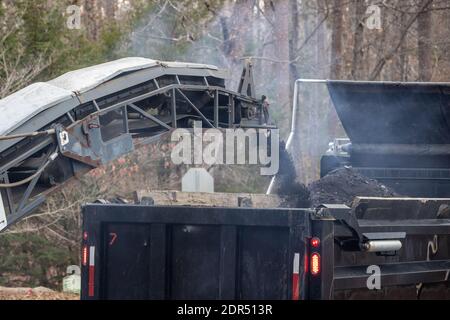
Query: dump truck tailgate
[(151, 252)]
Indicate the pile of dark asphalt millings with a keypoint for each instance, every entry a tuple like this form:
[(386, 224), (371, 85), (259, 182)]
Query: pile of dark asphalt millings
[(340, 186), (343, 185)]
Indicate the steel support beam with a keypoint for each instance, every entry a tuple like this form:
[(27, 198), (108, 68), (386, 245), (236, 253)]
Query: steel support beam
[(173, 106), (195, 108), (149, 116), (216, 108)]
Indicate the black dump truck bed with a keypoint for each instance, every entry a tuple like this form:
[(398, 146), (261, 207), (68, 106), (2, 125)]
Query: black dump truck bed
[(141, 252), (153, 252)]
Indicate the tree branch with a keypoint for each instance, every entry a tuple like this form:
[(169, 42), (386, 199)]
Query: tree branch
[(382, 62)]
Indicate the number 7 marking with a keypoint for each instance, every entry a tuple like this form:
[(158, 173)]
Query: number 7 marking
[(113, 238)]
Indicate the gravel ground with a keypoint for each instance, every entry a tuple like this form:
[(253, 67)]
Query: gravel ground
[(39, 293)]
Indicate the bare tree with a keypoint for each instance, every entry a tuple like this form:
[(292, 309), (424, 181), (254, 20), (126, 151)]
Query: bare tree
[(336, 40), (424, 37), (424, 5), (358, 67), (281, 34)]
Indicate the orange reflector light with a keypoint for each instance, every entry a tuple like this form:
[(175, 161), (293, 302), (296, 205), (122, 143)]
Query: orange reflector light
[(315, 264), (315, 242), (84, 258)]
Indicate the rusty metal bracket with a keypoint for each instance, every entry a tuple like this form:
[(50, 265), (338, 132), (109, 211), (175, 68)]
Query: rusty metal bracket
[(83, 142)]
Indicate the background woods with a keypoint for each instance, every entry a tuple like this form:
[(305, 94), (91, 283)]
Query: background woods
[(396, 40)]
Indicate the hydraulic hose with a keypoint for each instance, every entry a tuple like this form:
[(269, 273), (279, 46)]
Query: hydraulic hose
[(50, 159), (30, 134)]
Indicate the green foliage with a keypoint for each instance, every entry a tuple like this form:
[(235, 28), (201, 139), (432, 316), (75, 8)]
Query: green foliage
[(41, 28), (76, 50), (36, 44), (30, 259)]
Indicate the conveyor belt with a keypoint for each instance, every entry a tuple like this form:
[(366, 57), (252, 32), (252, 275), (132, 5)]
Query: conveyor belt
[(102, 112)]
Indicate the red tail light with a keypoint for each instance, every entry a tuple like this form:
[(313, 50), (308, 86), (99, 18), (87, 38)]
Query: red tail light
[(315, 264), (84, 256), (85, 235), (315, 242)]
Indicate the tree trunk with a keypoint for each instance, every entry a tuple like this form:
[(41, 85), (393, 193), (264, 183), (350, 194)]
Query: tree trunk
[(358, 69), (92, 19), (281, 33), (403, 61), (238, 30), (110, 9), (336, 40), (337, 63), (425, 56), (293, 43)]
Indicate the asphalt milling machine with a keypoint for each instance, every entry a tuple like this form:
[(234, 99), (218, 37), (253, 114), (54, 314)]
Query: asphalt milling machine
[(55, 130)]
